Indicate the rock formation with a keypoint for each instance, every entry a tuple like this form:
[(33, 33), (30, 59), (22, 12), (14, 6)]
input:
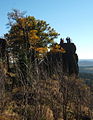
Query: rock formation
[(53, 61), (70, 58), (66, 62), (2, 47)]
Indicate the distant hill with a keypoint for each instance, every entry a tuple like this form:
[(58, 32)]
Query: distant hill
[(86, 66), (85, 62), (86, 71)]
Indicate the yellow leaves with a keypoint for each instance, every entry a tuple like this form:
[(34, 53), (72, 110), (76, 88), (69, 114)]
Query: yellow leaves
[(42, 50), (33, 38), (62, 50), (57, 48), (26, 22), (33, 31), (53, 34), (33, 35), (22, 20)]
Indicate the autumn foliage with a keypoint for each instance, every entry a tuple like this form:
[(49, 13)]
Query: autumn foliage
[(32, 83)]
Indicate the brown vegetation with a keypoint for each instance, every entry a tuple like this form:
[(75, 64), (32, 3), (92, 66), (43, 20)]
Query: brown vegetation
[(34, 87)]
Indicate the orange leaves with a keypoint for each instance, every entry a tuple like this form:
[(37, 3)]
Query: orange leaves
[(42, 50), (57, 48), (34, 33), (33, 38), (62, 50), (26, 22), (21, 22)]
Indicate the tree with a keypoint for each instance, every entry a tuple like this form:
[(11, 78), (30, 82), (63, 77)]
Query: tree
[(26, 32), (28, 36)]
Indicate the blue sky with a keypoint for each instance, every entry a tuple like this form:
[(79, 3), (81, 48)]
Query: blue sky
[(73, 18)]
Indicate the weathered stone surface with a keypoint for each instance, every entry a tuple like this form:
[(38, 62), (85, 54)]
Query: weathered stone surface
[(67, 61), (2, 47)]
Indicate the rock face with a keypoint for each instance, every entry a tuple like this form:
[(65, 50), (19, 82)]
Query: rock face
[(2, 47), (53, 63), (3, 53), (70, 59)]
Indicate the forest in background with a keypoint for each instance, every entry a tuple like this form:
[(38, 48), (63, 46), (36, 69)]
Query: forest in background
[(33, 85)]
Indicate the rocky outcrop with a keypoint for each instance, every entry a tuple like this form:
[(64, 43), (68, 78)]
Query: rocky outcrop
[(2, 47), (70, 59), (53, 61), (66, 63)]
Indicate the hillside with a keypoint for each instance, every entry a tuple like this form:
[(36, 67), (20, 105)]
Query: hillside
[(37, 84), (86, 71), (86, 62), (86, 66)]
